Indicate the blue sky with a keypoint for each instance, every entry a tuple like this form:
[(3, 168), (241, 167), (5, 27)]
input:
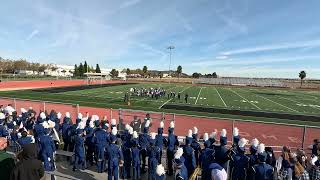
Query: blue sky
[(234, 38)]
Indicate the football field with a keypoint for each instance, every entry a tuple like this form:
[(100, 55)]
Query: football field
[(236, 98)]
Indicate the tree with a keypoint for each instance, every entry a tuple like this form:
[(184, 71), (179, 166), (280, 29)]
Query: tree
[(145, 70), (20, 65), (114, 73), (64, 72), (179, 71), (81, 70), (214, 75), (128, 71), (160, 75), (98, 69), (196, 75), (85, 67), (76, 71), (42, 68), (302, 75)]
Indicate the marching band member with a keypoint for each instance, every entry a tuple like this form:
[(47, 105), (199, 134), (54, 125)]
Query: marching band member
[(115, 156), (181, 172), (171, 143), (160, 140), (188, 154)]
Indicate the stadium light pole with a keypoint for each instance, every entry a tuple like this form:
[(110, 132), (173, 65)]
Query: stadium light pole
[(170, 51)]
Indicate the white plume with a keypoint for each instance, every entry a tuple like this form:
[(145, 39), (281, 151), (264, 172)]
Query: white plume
[(68, 115), (147, 123), (314, 160), (130, 130), (51, 124), (23, 110), (21, 125), (59, 115), (161, 124), (127, 126), (255, 142), (195, 130), (179, 153), (32, 139), (135, 134), (190, 133), (223, 133), (261, 148), (242, 142), (213, 134), (114, 131), (91, 123), (113, 122), (171, 124), (2, 116), (160, 170), (19, 135), (205, 136), (79, 116), (235, 131), (81, 125), (30, 108), (45, 124), (14, 123), (153, 135), (42, 115)]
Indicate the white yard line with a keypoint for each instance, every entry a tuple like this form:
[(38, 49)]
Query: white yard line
[(172, 98), (198, 95), (225, 105), (244, 99), (297, 102), (277, 103)]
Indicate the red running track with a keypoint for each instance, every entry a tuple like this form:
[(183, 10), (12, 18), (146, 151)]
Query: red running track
[(14, 85)]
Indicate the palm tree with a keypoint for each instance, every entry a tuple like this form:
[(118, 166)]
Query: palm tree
[(145, 70), (302, 75), (179, 71)]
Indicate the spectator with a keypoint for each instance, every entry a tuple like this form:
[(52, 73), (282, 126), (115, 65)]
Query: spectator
[(6, 161), (135, 124), (28, 167), (315, 147), (315, 168)]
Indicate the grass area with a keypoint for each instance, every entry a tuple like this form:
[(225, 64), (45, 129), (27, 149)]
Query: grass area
[(254, 99)]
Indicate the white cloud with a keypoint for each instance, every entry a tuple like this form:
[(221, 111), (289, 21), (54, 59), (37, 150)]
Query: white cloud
[(222, 57), (32, 34), (129, 3), (304, 44)]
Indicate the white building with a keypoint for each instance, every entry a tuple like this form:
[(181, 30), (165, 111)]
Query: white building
[(59, 70)]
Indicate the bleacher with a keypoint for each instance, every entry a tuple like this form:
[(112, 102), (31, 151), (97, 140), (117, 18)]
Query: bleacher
[(235, 81)]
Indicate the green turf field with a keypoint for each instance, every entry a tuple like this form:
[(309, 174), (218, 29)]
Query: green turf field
[(255, 99)]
